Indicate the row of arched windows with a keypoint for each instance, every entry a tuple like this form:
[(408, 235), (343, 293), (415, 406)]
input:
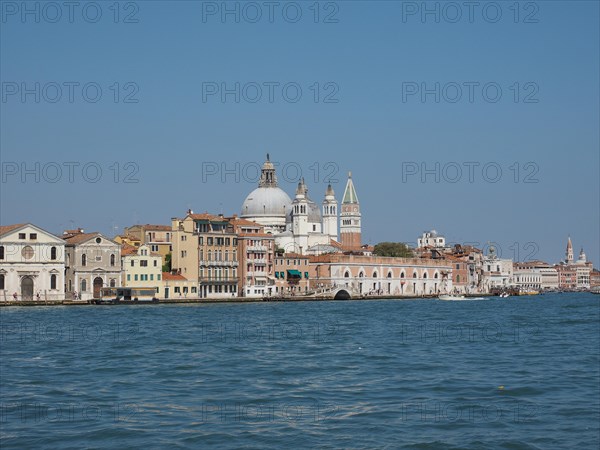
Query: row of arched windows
[(361, 274)]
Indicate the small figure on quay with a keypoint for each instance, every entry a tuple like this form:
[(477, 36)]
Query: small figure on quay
[(37, 296), (15, 296)]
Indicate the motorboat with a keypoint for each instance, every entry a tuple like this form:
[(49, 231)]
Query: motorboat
[(451, 297)]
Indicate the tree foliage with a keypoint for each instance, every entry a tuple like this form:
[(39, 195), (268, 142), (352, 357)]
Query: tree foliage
[(167, 265), (396, 249)]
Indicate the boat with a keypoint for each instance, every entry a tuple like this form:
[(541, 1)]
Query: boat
[(504, 295), (451, 297)]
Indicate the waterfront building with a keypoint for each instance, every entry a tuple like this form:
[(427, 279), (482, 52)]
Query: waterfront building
[(594, 278), (256, 249), (175, 285), (291, 274), (497, 273), (92, 262), (574, 274), (158, 237), (141, 267), (205, 251), (359, 275), (32, 263)]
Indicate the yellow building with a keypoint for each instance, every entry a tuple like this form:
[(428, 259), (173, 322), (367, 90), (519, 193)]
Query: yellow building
[(141, 267), (158, 237)]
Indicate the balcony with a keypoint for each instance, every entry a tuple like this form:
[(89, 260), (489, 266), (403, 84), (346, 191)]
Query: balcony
[(259, 261), (256, 248)]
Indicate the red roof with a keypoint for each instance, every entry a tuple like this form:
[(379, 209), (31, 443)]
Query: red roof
[(7, 228), (173, 277)]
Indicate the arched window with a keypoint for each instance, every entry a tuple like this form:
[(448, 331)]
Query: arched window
[(414, 274), (52, 281), (401, 274), (83, 285), (53, 253), (347, 274), (458, 278), (374, 274), (389, 275), (113, 282), (84, 261), (361, 274), (112, 260), (435, 275), (1, 282), (424, 275), (1, 251)]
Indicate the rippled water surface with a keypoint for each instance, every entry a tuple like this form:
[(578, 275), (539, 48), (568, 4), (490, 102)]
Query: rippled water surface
[(423, 374)]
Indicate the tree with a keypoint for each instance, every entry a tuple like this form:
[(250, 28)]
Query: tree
[(396, 249), (167, 265)]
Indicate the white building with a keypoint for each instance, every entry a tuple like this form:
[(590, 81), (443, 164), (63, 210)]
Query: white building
[(298, 226), (92, 262), (431, 239), (496, 272), (32, 264)]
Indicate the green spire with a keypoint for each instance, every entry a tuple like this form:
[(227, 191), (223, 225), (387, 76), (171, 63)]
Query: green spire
[(350, 193)]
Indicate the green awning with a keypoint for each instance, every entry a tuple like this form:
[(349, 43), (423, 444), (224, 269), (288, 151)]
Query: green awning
[(294, 273)]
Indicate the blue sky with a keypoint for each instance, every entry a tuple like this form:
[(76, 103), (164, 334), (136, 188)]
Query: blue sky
[(543, 132)]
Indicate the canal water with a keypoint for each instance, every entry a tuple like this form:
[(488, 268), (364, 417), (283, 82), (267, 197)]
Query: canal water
[(521, 372)]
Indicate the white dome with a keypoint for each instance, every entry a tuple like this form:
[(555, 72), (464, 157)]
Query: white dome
[(266, 202)]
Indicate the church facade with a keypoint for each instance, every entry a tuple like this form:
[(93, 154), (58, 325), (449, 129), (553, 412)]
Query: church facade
[(300, 225)]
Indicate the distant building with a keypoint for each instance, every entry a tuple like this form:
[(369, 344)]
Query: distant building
[(496, 272), (256, 249), (32, 263), (93, 261), (158, 237), (291, 274), (431, 239), (380, 275), (205, 251), (141, 267), (574, 275)]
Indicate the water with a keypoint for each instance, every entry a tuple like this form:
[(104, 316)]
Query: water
[(423, 374)]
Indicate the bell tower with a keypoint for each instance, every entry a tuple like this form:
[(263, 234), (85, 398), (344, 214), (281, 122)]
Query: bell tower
[(350, 218), (330, 214)]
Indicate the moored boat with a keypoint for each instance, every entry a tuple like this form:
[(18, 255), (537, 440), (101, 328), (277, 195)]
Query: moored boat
[(451, 297)]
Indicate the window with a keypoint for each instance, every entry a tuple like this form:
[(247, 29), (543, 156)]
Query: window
[(133, 263), (158, 277), (1, 251), (27, 252), (84, 260), (144, 263), (414, 274), (305, 274), (128, 277), (52, 281), (201, 240), (209, 241), (98, 240), (22, 236), (458, 266), (227, 241), (183, 253), (401, 274), (151, 277), (155, 263), (33, 236), (1, 281), (135, 277), (347, 274), (112, 260), (98, 258), (53, 253), (458, 278), (83, 285), (436, 275)]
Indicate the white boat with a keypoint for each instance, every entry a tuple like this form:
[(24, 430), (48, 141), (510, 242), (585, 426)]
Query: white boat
[(504, 295), (451, 297)]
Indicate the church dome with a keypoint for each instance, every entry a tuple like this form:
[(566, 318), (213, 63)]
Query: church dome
[(266, 202)]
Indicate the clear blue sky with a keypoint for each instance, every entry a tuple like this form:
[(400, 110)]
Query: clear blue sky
[(371, 55)]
